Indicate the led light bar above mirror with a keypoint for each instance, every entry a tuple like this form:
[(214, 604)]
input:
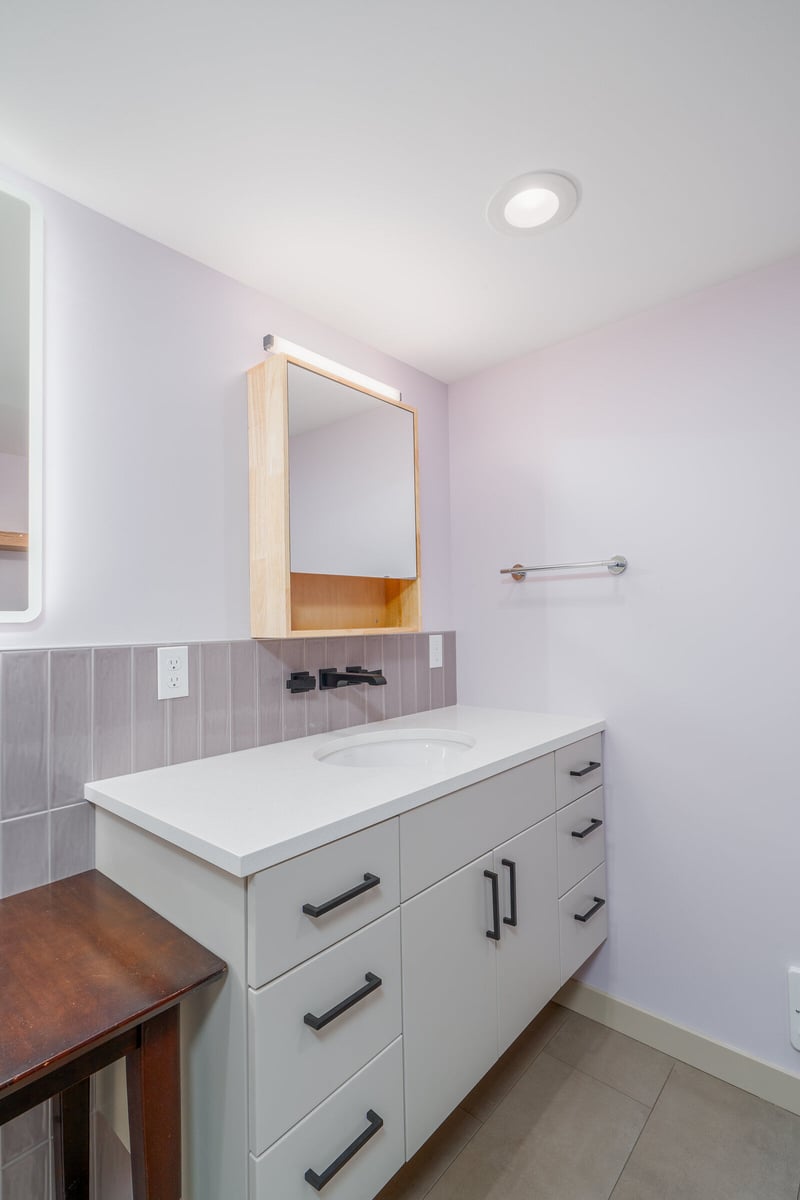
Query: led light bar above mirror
[(21, 301)]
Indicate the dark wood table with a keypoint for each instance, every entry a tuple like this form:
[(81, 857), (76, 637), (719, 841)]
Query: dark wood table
[(88, 975)]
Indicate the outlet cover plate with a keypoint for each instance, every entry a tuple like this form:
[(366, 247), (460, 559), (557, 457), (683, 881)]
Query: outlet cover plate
[(173, 672), (794, 1006)]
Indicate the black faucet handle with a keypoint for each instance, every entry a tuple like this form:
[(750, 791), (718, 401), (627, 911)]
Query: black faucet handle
[(354, 668)]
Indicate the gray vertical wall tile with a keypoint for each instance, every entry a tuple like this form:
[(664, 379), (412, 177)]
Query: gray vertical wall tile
[(407, 655), (23, 732), (356, 696), (423, 672), (149, 713), (375, 697), (294, 708), (435, 675), (244, 705), (24, 1132), (28, 1177), (316, 701), (390, 654), (71, 840), (70, 724), (183, 718), (111, 712), (270, 682), (450, 670), (338, 701), (24, 853), (215, 691)]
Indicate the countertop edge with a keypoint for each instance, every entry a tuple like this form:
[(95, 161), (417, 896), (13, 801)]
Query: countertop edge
[(242, 866)]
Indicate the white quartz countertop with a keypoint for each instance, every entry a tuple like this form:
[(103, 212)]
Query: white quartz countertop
[(251, 809)]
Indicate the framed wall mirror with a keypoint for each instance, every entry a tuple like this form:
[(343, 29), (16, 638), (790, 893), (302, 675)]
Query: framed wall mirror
[(21, 286), (334, 530)]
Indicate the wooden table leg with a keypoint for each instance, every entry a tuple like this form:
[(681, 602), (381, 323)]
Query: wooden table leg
[(154, 1108), (71, 1142)]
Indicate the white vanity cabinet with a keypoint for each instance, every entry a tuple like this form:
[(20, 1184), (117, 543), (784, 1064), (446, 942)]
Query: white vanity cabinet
[(373, 979)]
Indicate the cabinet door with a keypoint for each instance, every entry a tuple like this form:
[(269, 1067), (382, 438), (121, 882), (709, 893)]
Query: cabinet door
[(449, 996), (528, 966)]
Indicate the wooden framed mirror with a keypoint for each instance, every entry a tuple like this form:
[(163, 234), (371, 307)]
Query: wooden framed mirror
[(334, 504)]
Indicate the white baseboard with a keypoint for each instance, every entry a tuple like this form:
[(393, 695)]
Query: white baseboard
[(715, 1058)]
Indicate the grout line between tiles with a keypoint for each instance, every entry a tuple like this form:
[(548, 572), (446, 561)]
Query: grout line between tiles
[(641, 1131), (453, 1161), (613, 1086)]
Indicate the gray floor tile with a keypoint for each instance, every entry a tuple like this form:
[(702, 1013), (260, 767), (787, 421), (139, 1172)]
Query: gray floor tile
[(629, 1066), (707, 1140), (494, 1087), (558, 1135), (418, 1176)]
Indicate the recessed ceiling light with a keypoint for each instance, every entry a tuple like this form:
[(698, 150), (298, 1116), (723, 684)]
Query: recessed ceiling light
[(532, 202)]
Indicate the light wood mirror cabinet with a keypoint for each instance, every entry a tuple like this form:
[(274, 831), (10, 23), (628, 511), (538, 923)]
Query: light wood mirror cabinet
[(334, 504)]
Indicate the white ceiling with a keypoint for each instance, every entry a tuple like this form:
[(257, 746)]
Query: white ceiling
[(340, 155)]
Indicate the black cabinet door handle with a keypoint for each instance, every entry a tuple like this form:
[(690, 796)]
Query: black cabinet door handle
[(319, 910), (594, 823), (372, 983), (512, 872), (586, 770), (494, 933), (587, 916), (318, 1181)]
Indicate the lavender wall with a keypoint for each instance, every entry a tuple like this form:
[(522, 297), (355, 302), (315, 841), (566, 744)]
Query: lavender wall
[(146, 533), (671, 438), (67, 716)]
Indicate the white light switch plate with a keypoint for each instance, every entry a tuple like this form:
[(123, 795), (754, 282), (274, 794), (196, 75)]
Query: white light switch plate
[(173, 672), (435, 649)]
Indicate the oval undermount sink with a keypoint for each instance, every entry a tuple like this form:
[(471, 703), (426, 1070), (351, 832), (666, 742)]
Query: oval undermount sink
[(396, 748)]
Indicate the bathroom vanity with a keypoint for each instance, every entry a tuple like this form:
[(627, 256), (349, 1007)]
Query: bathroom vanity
[(394, 904)]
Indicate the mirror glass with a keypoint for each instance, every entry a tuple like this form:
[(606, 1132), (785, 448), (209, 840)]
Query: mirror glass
[(20, 407), (352, 493)]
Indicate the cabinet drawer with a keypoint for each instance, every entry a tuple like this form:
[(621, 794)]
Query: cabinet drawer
[(579, 769), (445, 835), (293, 1066), (332, 1128), (580, 938), (577, 856), (280, 934)]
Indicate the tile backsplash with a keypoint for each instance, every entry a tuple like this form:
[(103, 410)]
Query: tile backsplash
[(70, 716)]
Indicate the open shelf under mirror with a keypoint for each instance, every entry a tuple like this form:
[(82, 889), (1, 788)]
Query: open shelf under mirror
[(334, 528), (13, 541)]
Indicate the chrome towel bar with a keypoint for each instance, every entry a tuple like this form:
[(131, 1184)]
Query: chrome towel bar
[(616, 566)]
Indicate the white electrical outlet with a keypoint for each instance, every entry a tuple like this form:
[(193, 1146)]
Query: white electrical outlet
[(794, 1006), (435, 649), (173, 672)]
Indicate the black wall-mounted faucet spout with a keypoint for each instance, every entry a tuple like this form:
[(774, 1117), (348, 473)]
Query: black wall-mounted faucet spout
[(329, 677)]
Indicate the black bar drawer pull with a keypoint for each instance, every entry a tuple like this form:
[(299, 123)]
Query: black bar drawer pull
[(319, 910), (586, 770), (594, 823), (587, 916), (494, 933), (512, 870), (372, 984), (318, 1181)]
